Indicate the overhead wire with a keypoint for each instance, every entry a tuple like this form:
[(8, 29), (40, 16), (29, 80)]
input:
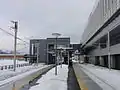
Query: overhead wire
[(17, 38), (22, 48), (13, 35)]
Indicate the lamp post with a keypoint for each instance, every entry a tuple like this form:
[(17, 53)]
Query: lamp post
[(56, 36)]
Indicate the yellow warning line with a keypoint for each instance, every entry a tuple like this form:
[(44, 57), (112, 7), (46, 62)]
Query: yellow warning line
[(81, 82), (14, 87)]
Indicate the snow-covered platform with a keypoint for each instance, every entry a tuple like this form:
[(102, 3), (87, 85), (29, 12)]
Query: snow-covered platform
[(50, 81), (105, 78), (85, 82)]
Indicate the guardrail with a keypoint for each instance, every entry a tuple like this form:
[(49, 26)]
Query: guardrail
[(11, 66)]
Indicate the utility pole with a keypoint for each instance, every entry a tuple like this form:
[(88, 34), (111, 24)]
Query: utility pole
[(15, 41), (109, 55), (47, 55)]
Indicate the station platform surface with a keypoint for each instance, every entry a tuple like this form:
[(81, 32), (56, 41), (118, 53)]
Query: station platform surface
[(84, 81)]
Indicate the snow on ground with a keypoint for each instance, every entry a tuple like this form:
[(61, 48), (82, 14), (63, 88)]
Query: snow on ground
[(108, 77), (18, 77), (50, 81), (10, 62), (5, 74)]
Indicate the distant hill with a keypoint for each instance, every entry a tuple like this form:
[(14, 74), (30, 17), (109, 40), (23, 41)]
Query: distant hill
[(7, 52)]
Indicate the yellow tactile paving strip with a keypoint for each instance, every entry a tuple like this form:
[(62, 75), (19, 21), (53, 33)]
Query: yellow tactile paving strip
[(81, 82)]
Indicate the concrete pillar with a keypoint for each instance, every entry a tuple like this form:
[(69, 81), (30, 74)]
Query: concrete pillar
[(112, 61), (98, 60), (90, 59), (93, 60), (101, 61)]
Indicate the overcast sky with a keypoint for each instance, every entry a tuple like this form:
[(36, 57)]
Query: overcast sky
[(40, 18)]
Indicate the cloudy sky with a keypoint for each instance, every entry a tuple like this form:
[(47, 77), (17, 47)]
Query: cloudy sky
[(40, 18)]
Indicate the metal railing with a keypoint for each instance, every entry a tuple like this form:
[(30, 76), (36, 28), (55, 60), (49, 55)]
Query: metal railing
[(5, 67)]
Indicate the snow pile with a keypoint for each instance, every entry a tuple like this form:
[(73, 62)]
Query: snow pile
[(50, 81), (109, 77), (5, 74), (10, 62)]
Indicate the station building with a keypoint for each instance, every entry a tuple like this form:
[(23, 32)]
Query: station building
[(43, 48), (101, 37)]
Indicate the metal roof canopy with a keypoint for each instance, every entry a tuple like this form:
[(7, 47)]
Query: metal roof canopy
[(64, 48)]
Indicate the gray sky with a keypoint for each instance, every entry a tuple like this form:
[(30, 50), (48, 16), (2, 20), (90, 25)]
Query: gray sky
[(40, 18)]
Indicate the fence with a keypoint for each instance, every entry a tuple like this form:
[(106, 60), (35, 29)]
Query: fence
[(11, 66)]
